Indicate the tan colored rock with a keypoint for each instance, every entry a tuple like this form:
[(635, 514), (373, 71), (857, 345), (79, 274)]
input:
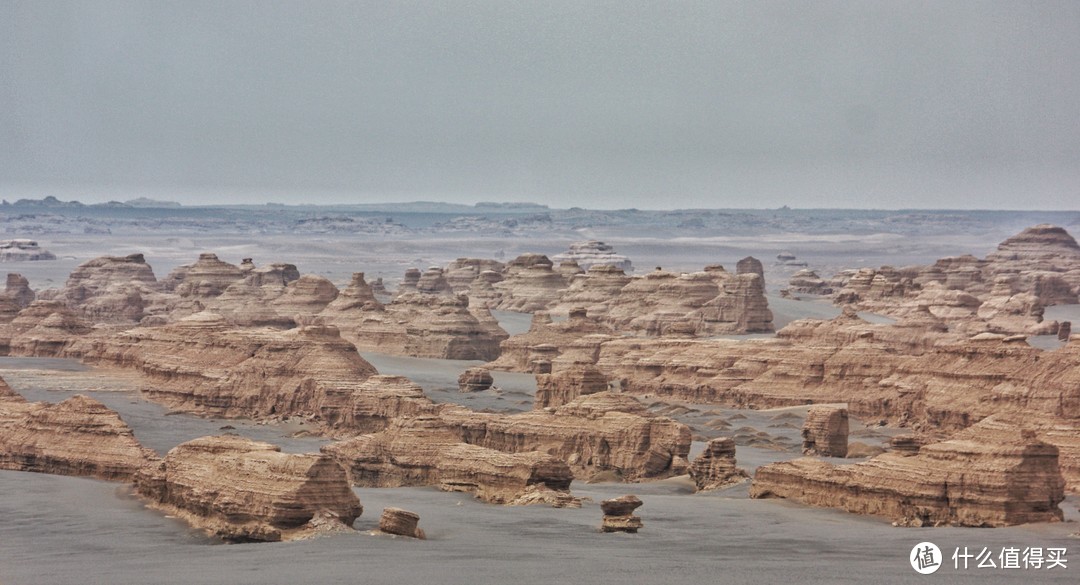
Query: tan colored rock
[(1064, 331), (594, 433), (808, 282), (954, 483), (619, 514), (408, 284), (202, 364), (434, 282), (352, 407), (111, 289), (401, 522), (825, 432), (593, 290), (593, 253), (464, 272), (18, 290), (475, 380), (567, 382), (306, 296), (531, 284), (43, 329), (715, 467), (426, 450), (249, 302), (208, 277), (546, 340), (243, 490), (79, 436)]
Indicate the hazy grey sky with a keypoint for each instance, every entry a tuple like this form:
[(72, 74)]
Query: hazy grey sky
[(629, 103)]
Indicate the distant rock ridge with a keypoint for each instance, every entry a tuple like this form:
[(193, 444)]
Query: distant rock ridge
[(1003, 293), (22, 250)]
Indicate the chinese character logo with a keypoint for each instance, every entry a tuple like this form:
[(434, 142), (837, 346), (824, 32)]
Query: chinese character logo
[(926, 558)]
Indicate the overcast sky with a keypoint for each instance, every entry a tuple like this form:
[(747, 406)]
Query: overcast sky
[(630, 103)]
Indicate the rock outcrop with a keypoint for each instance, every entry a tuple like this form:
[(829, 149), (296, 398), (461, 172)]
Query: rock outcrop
[(18, 291), (594, 253), (79, 436), (619, 514), (1004, 293), (594, 433), (825, 431), (22, 250), (546, 340), (808, 282), (42, 329), (208, 277), (715, 467), (475, 380), (530, 284), (202, 364), (566, 382), (954, 483), (243, 490), (111, 289), (401, 522)]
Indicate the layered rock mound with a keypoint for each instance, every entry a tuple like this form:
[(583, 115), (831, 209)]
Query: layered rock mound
[(530, 284), (567, 382), (546, 340), (43, 329), (594, 253), (825, 432), (619, 514), (426, 451), (1004, 293), (79, 436), (202, 364), (243, 490), (954, 483), (594, 433), (112, 289), (475, 380), (715, 467), (401, 522), (208, 277)]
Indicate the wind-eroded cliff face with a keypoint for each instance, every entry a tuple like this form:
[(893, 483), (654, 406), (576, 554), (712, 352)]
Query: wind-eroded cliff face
[(202, 365), (594, 433), (956, 483), (79, 436), (243, 490)]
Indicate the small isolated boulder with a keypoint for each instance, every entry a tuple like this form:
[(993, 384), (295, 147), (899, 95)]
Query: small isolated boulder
[(619, 514), (825, 431), (715, 467), (1064, 330), (401, 522), (475, 380)]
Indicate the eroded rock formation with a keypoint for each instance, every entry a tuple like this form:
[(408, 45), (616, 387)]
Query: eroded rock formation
[(954, 483), (715, 467), (401, 522), (475, 380), (825, 431), (619, 514), (243, 490), (594, 253), (79, 436)]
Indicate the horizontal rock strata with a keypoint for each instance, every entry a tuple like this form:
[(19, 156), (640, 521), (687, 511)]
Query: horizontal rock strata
[(79, 436), (243, 490), (954, 483)]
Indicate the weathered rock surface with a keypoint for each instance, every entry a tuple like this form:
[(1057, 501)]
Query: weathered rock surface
[(42, 329), (79, 436), (619, 514), (475, 380), (715, 467), (567, 382), (593, 433), (530, 284), (111, 289), (202, 364), (23, 250), (594, 253), (18, 291), (208, 277), (825, 432), (546, 340), (243, 490), (401, 522), (955, 483), (1005, 293), (809, 283)]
